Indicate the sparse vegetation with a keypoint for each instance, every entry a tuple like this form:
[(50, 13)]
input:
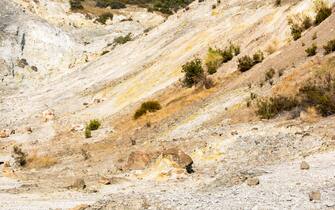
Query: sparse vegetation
[(329, 47), (246, 62), (258, 57), (88, 133), (19, 156), (76, 5), (269, 74), (277, 3), (110, 3), (44, 161), (323, 11), (149, 106), (296, 31), (318, 93), (311, 51), (268, 108), (123, 39), (104, 17), (307, 22)]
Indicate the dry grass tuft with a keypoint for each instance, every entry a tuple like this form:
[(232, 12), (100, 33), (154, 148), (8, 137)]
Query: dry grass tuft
[(44, 161)]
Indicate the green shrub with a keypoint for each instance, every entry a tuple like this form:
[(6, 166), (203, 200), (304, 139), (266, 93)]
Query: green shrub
[(88, 133), (311, 51), (104, 17), (268, 108), (149, 106), (296, 31), (213, 60), (194, 72), (93, 125), (123, 39), (269, 74), (322, 14), (110, 3), (245, 63), (229, 52), (212, 67), (329, 47), (76, 5), (258, 57)]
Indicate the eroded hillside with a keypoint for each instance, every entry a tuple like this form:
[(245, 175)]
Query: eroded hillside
[(254, 132)]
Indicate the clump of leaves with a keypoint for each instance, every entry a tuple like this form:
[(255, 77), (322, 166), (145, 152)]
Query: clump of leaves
[(329, 47), (104, 17), (268, 108), (19, 156), (123, 39), (149, 106), (311, 51), (93, 125)]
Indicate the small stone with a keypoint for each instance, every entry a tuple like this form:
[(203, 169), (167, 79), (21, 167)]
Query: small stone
[(105, 181), (34, 68), (304, 165), (29, 129), (253, 181), (315, 196), (48, 115)]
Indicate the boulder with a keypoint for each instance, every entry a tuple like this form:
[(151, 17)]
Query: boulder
[(138, 160), (178, 156)]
